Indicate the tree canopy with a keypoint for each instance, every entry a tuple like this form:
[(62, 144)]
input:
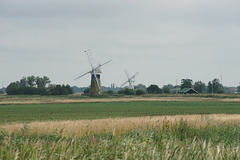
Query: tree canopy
[(42, 82), (140, 92), (215, 86), (127, 91), (199, 86), (238, 89), (36, 86), (167, 88), (154, 89), (186, 83), (60, 90), (140, 86)]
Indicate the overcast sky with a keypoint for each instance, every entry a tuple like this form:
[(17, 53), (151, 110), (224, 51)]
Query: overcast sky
[(163, 40)]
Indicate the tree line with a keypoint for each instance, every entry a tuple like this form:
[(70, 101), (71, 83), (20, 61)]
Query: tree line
[(41, 86), (213, 86), (32, 85)]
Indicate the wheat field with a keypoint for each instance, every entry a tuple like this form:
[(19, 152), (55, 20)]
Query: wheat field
[(164, 137), (116, 126)]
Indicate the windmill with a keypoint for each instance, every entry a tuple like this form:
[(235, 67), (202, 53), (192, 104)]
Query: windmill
[(95, 88), (130, 80)]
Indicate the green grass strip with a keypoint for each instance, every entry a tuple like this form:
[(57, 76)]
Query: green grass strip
[(77, 111)]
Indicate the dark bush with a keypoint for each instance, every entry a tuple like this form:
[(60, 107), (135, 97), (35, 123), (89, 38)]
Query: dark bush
[(87, 91), (121, 92), (154, 89), (60, 90), (110, 92), (127, 91), (140, 92)]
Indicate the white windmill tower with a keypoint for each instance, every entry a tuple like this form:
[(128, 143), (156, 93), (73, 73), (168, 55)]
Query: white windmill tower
[(130, 80), (95, 88)]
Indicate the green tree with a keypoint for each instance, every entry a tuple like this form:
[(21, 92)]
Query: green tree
[(127, 91), (175, 89), (210, 87), (227, 89), (215, 86), (154, 89), (31, 81), (60, 90), (167, 88), (63, 90), (26, 85), (186, 83), (140, 86), (69, 89), (42, 82), (23, 82), (46, 81), (39, 82), (15, 88), (121, 91), (199, 86), (86, 91), (110, 92), (140, 92), (12, 87), (238, 88)]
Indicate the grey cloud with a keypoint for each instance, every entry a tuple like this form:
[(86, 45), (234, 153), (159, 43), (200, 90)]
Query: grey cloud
[(58, 8), (157, 33)]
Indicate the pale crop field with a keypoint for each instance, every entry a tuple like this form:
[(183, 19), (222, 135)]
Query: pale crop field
[(26, 99), (162, 137), (116, 126)]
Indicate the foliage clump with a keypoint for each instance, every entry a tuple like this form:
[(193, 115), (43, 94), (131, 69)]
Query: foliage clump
[(127, 91), (32, 85), (140, 92), (154, 89), (60, 90), (109, 92)]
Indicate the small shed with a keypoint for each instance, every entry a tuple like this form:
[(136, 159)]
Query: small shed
[(187, 91)]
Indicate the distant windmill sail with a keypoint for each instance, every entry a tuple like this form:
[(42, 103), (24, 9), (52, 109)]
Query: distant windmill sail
[(130, 80), (95, 72)]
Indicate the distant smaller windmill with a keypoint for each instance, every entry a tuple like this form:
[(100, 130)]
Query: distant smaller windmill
[(130, 80)]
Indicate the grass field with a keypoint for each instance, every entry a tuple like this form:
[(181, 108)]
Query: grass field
[(153, 128), (76, 111)]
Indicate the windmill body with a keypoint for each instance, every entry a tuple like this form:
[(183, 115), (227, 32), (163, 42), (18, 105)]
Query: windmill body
[(95, 87), (130, 80)]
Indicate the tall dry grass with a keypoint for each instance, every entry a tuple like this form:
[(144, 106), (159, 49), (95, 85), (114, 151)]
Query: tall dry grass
[(164, 137), (116, 126)]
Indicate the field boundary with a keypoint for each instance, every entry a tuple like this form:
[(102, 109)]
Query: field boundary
[(49, 100)]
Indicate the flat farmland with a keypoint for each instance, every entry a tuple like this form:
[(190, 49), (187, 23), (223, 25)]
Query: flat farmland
[(100, 110), (181, 127)]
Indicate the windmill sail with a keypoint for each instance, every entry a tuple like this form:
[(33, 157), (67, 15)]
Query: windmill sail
[(130, 80), (83, 75)]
